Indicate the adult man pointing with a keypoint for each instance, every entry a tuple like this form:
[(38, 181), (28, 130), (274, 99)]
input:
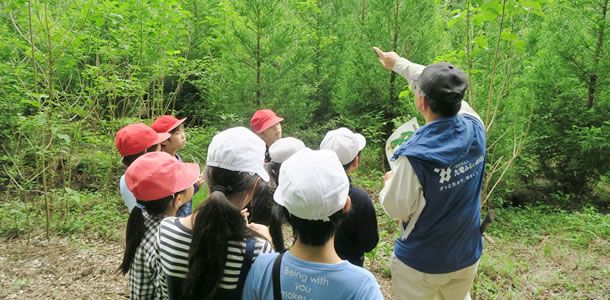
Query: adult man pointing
[(435, 186)]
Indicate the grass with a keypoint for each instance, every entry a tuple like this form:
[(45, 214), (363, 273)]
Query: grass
[(541, 252)]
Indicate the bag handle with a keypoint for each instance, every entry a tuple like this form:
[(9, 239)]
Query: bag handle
[(247, 263), (275, 275)]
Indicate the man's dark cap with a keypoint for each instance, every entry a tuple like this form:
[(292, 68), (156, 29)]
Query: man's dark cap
[(443, 83)]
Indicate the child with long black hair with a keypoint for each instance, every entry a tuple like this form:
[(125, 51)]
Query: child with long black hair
[(208, 254), (161, 184)]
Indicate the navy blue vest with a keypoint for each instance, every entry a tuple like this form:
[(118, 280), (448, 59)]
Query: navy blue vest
[(448, 157)]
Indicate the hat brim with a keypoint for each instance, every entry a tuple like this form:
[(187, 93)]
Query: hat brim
[(272, 121), (189, 173), (278, 199), (161, 136), (262, 173), (361, 141), (176, 124)]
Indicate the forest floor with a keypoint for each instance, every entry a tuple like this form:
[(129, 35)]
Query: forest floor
[(535, 255)]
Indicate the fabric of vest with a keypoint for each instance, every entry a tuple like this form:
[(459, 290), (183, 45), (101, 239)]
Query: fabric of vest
[(448, 157)]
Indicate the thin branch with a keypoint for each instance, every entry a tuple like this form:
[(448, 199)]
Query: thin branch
[(495, 63)]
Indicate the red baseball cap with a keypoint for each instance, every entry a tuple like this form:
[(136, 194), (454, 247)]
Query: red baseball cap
[(166, 123), (135, 138), (263, 119), (156, 175)]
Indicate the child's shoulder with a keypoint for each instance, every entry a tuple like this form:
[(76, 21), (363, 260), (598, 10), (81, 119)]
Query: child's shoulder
[(169, 220), (174, 226)]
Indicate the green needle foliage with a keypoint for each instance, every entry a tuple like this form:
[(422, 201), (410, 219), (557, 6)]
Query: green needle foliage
[(72, 72)]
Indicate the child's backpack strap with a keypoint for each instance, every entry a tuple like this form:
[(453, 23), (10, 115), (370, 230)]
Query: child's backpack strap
[(275, 276), (245, 266)]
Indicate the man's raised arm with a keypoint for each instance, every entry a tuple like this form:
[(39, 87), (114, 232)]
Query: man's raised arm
[(402, 66)]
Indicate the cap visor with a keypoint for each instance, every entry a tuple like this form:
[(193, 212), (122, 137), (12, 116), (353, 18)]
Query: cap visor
[(270, 123), (161, 136), (178, 123), (361, 141), (263, 175), (277, 198), (188, 176)]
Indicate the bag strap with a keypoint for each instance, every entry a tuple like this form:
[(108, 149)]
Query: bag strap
[(245, 266), (275, 276)]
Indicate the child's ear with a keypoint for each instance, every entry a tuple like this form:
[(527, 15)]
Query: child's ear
[(425, 104), (180, 199), (348, 204)]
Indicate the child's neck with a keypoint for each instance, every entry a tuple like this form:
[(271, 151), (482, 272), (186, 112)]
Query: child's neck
[(320, 254), (170, 212), (188, 221), (171, 152)]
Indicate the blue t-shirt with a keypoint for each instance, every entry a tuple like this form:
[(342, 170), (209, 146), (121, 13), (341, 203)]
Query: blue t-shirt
[(303, 280)]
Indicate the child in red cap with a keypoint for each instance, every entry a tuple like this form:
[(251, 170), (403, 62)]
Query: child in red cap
[(161, 184), (267, 125), (176, 141), (132, 141), (175, 128)]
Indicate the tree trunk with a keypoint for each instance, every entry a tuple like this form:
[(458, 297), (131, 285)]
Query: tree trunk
[(592, 84), (258, 69), (392, 94)]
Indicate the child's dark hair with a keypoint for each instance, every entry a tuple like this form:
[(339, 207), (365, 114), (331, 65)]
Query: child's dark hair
[(218, 221), (136, 228), (129, 159), (274, 172), (264, 210), (314, 233)]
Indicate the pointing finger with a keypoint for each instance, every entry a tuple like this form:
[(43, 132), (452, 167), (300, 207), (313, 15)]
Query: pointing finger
[(380, 53)]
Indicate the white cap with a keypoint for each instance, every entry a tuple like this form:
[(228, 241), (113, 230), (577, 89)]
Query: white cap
[(238, 149), (283, 148), (313, 185), (343, 142)]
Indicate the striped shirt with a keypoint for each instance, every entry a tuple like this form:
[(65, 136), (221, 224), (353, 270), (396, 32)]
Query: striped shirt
[(146, 278), (174, 240)]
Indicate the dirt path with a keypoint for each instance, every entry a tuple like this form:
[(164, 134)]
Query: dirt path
[(70, 269), (60, 269)]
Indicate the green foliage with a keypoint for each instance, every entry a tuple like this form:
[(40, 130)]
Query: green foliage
[(96, 215), (568, 81), (197, 141), (366, 90), (74, 72)]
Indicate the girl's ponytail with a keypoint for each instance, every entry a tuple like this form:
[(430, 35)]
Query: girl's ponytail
[(218, 221), (134, 235), (136, 228)]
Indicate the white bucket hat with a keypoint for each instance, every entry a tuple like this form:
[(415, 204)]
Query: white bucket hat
[(283, 148), (343, 142), (238, 149), (313, 185)]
